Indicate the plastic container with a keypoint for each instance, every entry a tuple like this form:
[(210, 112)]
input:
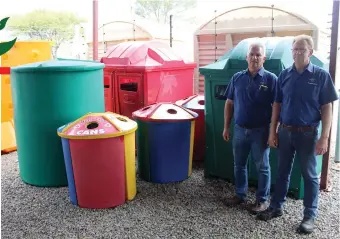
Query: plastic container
[(220, 163), (141, 73), (196, 103), (337, 142), (99, 153), (21, 53), (165, 141), (45, 96)]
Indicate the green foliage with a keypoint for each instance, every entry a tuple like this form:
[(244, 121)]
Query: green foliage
[(5, 46), (54, 26), (3, 23), (161, 9)]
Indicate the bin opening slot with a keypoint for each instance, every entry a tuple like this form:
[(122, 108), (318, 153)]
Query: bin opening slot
[(220, 92), (121, 119), (131, 86), (172, 111), (146, 108), (201, 102), (106, 86), (92, 125)]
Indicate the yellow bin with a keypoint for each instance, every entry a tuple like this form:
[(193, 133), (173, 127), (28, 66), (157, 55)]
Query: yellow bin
[(21, 53)]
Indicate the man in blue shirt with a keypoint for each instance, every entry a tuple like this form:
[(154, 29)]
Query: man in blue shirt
[(304, 96), (250, 95)]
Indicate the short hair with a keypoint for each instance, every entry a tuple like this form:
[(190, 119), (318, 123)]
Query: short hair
[(306, 38), (257, 44)]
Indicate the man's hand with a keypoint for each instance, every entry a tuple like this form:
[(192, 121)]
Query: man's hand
[(321, 146), (226, 134), (273, 140)]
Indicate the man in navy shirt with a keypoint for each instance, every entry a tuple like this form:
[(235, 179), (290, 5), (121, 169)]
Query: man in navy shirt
[(304, 96), (250, 95)]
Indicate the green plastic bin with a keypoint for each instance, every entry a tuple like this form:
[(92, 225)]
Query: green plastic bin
[(337, 141), (219, 162), (46, 95)]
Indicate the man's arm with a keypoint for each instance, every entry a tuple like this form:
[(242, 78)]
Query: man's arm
[(229, 104), (228, 113), (276, 109), (275, 118), (328, 94), (326, 119)]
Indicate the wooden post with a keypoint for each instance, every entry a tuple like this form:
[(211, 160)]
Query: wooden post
[(170, 30), (324, 182), (95, 30)]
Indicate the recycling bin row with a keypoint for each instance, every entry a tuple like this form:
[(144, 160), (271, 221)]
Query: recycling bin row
[(99, 152), (94, 154)]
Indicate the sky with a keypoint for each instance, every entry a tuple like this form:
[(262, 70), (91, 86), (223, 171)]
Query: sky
[(316, 11), (109, 10)]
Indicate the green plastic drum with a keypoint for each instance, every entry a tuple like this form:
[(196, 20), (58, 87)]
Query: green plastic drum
[(220, 163), (45, 96), (337, 145)]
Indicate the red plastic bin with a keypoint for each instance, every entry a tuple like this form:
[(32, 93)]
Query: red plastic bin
[(142, 73), (196, 103), (99, 155)]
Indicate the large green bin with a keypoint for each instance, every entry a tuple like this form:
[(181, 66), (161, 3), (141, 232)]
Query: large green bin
[(219, 161), (337, 141), (46, 95)]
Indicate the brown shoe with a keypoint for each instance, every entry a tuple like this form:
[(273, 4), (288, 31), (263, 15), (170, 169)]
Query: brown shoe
[(257, 207), (235, 200)]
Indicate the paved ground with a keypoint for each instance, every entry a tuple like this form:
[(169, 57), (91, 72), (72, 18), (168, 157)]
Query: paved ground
[(191, 209)]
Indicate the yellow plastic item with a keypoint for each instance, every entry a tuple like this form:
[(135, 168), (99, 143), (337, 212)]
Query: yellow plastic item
[(10, 144), (21, 53)]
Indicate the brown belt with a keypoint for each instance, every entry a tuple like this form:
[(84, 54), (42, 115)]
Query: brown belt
[(298, 129)]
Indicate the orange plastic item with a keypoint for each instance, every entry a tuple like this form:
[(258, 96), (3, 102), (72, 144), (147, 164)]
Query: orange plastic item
[(21, 53)]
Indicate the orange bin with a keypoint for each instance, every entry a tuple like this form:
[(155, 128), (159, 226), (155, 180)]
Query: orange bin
[(21, 53)]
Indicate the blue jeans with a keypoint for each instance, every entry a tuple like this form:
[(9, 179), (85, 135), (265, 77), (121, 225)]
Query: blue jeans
[(252, 141), (303, 144)]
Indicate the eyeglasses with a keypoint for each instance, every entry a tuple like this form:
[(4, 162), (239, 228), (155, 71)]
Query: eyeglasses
[(255, 55), (299, 51)]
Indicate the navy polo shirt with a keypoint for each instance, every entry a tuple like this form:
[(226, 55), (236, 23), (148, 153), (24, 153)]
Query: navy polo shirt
[(253, 97), (302, 95)]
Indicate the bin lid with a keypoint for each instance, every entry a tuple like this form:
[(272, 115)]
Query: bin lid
[(144, 54), (166, 112), (98, 126), (278, 53), (195, 102), (59, 65)]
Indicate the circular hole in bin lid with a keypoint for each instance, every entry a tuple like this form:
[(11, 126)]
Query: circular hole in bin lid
[(92, 125), (121, 119), (201, 102), (172, 111)]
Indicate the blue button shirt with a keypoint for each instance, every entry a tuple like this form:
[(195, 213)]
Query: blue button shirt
[(302, 95), (253, 97)]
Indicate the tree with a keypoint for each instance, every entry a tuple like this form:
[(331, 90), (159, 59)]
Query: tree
[(54, 26), (161, 9)]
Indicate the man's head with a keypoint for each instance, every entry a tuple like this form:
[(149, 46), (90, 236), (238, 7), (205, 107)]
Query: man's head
[(256, 56), (302, 49)]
